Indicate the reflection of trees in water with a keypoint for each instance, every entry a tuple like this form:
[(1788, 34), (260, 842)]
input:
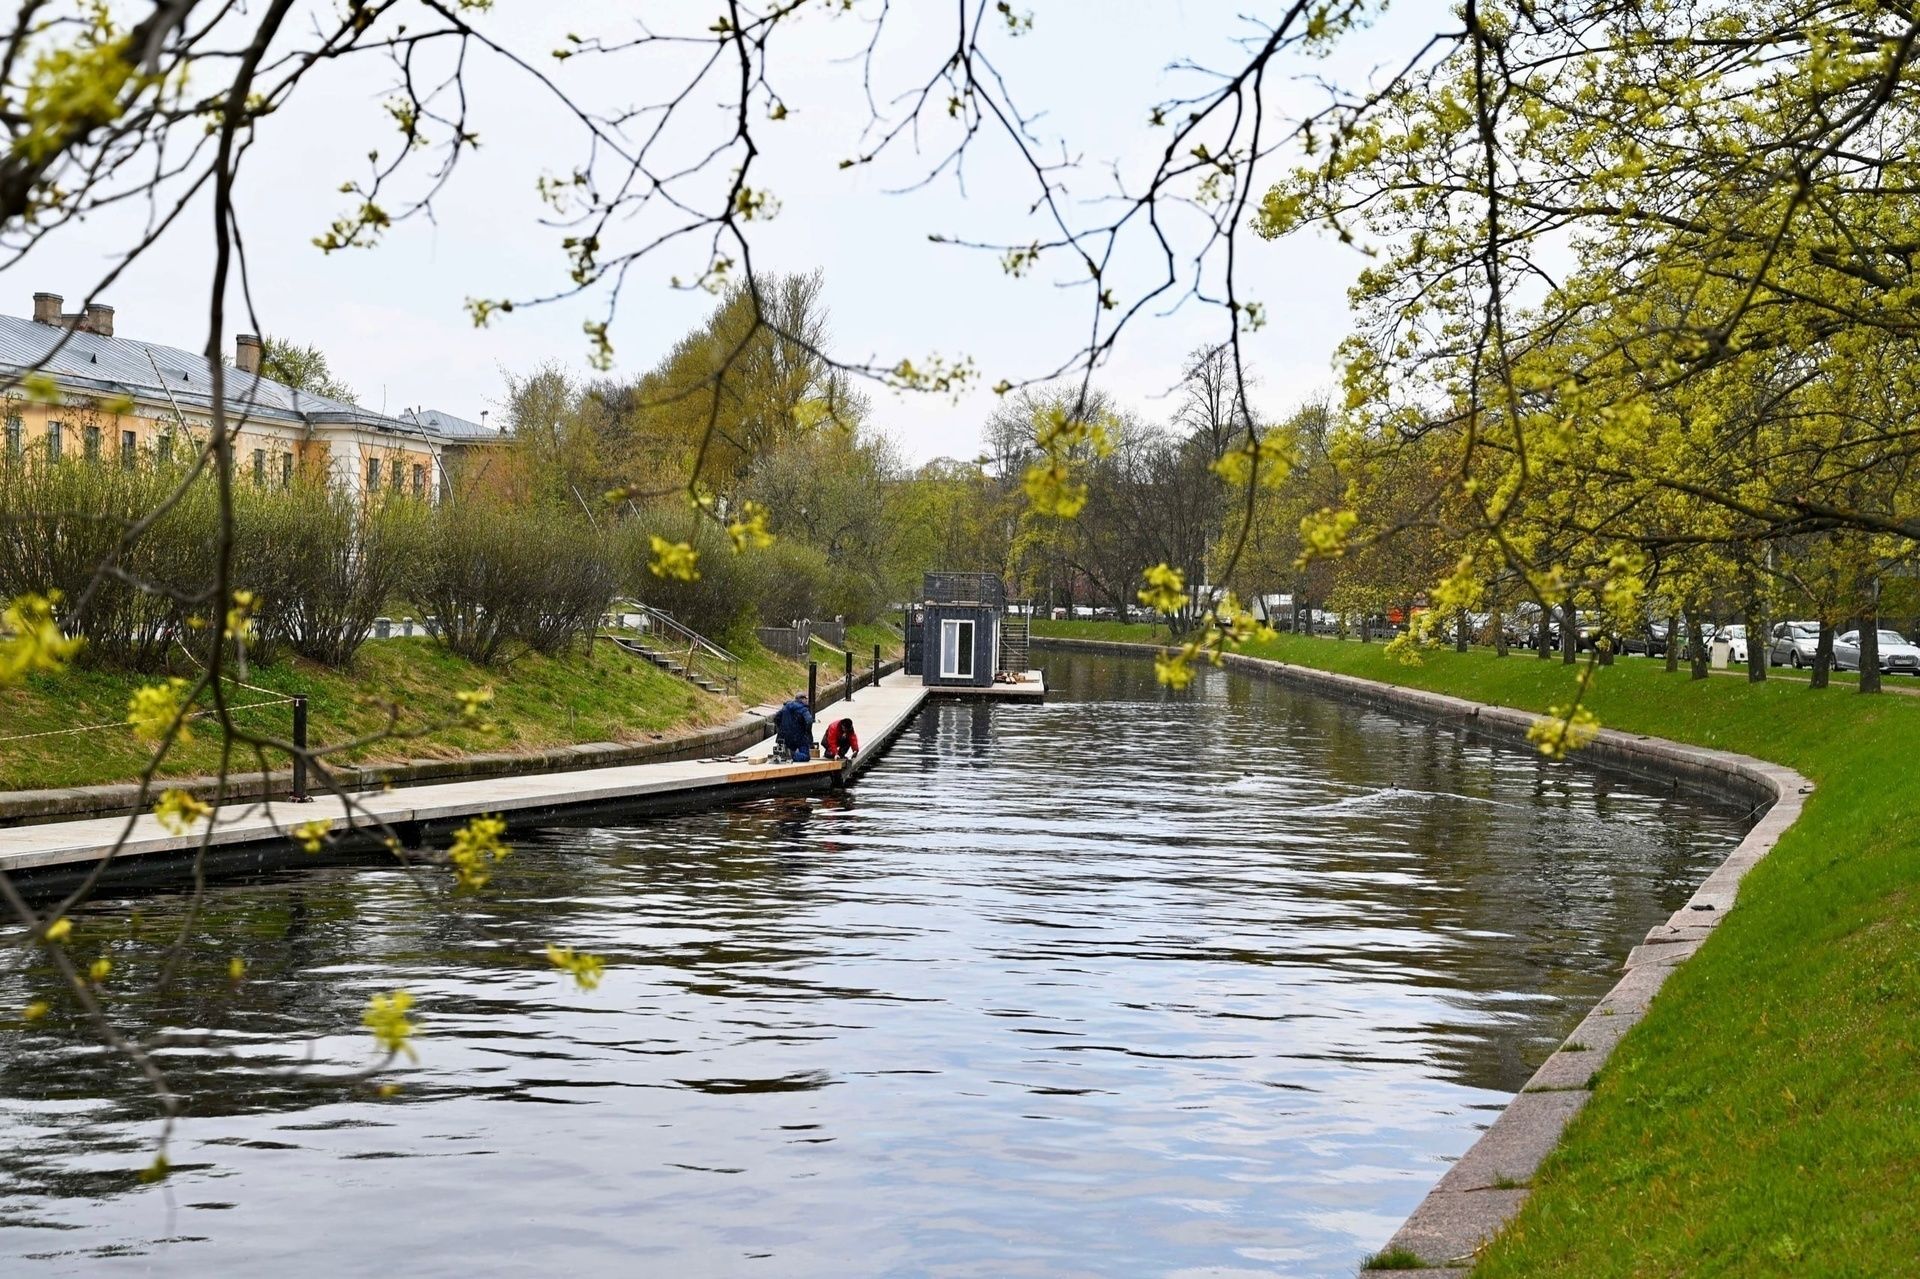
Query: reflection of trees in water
[(1523, 875), (316, 943), (1487, 874)]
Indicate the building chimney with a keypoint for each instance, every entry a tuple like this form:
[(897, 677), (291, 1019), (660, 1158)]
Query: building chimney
[(246, 353), (46, 308), (98, 319)]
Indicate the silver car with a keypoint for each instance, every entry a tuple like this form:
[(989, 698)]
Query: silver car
[(1794, 644), (1896, 655)]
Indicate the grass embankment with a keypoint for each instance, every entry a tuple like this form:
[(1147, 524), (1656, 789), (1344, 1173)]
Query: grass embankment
[(1765, 1118), (538, 702)]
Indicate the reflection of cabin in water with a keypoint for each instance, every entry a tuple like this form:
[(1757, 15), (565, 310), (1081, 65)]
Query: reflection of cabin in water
[(964, 635)]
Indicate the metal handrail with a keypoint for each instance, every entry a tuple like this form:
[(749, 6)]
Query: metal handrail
[(696, 642)]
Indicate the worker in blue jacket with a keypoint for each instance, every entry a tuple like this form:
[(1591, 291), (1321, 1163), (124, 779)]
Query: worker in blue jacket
[(793, 728)]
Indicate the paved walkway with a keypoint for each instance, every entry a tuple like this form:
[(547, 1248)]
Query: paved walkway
[(1905, 685), (878, 713)]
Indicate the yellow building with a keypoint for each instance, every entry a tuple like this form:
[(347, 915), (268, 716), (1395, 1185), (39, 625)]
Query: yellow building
[(121, 399)]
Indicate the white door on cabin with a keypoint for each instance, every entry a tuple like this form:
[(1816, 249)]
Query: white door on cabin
[(956, 649)]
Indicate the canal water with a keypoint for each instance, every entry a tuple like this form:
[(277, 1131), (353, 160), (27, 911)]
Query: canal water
[(1133, 983)]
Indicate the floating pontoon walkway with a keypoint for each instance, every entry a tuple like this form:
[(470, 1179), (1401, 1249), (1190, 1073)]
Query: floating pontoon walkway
[(1033, 688), (254, 835)]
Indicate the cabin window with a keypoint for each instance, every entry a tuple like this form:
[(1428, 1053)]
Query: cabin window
[(373, 474), (260, 466), (54, 432), (956, 649), (129, 449), (286, 470), (394, 474), (419, 480), (16, 435), (92, 438), (163, 448)]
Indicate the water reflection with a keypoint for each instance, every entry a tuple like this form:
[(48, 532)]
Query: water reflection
[(1131, 983)]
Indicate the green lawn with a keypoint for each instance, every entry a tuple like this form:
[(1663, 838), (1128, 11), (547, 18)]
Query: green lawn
[(1765, 1118)]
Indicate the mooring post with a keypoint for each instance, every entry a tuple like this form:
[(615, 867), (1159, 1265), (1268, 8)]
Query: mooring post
[(813, 685), (300, 795), (848, 681), (876, 665)]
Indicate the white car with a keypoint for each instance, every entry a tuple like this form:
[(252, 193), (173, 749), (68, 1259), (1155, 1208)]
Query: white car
[(1896, 655), (1736, 638)]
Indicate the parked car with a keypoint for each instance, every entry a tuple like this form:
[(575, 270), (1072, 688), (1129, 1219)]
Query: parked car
[(1587, 630), (1523, 623), (1896, 655), (1736, 638), (1794, 644)]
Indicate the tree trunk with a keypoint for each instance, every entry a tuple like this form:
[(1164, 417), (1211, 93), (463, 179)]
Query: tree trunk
[(1673, 643), (1696, 648), (1460, 633), (1569, 634), (1499, 631), (1366, 628), (1757, 644), (1544, 638), (1870, 642), (1823, 655), (1603, 645)]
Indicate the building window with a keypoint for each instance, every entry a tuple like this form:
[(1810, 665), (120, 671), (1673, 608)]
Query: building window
[(394, 474), (286, 470), (163, 448), (259, 466), (373, 475), (16, 435), (956, 649), (129, 449), (55, 432), (93, 443), (419, 480)]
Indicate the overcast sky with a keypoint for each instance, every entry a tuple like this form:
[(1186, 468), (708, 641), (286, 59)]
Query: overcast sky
[(392, 319)]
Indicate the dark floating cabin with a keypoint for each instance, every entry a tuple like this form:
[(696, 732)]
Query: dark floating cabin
[(964, 637)]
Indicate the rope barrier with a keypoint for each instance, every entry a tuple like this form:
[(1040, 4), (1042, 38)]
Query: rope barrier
[(94, 728), (252, 688)]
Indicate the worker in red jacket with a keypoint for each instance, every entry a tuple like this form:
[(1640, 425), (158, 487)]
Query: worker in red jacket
[(840, 741)]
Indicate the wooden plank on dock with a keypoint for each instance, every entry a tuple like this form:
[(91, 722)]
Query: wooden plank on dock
[(1031, 689)]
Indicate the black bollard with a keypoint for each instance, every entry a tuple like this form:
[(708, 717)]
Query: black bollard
[(300, 795), (813, 685), (847, 682), (876, 665)]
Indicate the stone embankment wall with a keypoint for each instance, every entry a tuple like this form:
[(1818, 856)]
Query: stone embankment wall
[(1486, 1187)]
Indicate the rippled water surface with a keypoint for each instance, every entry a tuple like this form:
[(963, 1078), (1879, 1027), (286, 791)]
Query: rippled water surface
[(1129, 984)]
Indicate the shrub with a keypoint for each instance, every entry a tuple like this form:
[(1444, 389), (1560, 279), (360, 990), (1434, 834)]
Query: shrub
[(323, 563), (717, 604), (499, 580), (793, 581), (63, 529)]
